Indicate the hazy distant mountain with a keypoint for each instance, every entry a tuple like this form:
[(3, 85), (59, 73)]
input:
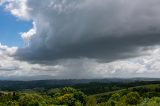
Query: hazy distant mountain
[(14, 85)]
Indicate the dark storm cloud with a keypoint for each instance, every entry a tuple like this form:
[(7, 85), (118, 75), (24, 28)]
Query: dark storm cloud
[(101, 29), (105, 48)]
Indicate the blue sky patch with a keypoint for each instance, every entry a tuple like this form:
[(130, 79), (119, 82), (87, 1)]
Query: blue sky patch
[(10, 27)]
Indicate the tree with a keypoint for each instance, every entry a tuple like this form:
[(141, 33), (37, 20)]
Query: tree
[(15, 96), (80, 96), (115, 97), (31, 100), (133, 98), (67, 90), (66, 99)]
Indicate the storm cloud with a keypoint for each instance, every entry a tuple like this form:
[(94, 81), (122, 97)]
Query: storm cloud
[(77, 39), (106, 30)]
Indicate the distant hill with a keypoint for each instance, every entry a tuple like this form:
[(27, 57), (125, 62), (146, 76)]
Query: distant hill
[(77, 83)]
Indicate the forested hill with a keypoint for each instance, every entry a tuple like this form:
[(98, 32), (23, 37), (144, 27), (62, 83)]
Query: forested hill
[(83, 84), (144, 95)]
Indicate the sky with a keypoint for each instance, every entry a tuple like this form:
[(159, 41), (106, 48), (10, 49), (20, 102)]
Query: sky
[(75, 39), (11, 28)]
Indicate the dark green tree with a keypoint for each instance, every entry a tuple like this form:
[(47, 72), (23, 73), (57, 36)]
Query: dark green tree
[(133, 98)]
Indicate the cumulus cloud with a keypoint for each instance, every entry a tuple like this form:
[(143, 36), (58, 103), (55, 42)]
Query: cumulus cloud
[(105, 30), (77, 34), (17, 7), (144, 66), (26, 36), (10, 67)]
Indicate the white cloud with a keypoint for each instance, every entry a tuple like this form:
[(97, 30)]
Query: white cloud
[(18, 8), (110, 30), (61, 26), (144, 66), (27, 36), (11, 67)]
